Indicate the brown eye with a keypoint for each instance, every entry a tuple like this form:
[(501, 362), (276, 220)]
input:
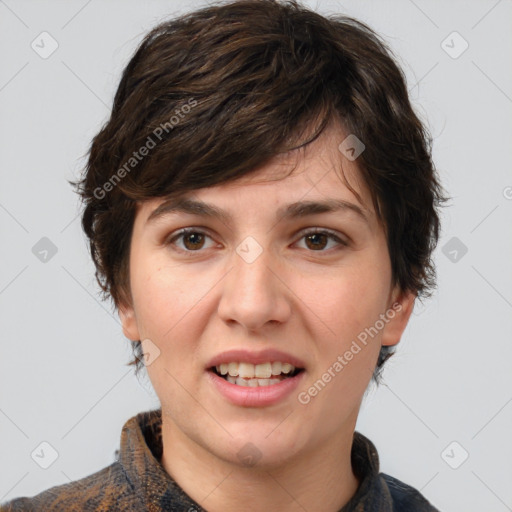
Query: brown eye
[(189, 240), (193, 241), (317, 240)]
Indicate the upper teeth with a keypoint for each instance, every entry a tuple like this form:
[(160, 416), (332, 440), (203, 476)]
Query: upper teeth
[(249, 371)]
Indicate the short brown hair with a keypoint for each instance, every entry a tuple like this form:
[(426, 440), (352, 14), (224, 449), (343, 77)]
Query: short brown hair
[(217, 93)]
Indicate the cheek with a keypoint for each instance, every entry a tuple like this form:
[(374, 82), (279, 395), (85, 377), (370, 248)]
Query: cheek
[(349, 300), (348, 354), (167, 299), (350, 306), (166, 302), (157, 289)]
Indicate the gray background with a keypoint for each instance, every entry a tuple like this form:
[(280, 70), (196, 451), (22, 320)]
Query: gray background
[(63, 373)]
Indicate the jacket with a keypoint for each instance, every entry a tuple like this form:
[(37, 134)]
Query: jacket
[(136, 481)]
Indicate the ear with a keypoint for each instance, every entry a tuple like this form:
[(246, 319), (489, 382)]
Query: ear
[(399, 310), (129, 322)]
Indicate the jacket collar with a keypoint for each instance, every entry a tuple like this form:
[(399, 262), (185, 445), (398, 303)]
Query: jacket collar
[(141, 452)]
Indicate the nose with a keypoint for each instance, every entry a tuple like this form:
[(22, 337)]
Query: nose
[(254, 294)]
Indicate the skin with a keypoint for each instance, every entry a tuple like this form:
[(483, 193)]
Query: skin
[(308, 300)]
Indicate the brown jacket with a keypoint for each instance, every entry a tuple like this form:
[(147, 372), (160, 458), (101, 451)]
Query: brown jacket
[(137, 481)]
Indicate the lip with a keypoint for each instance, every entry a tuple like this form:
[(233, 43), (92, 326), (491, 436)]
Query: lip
[(253, 357), (260, 396)]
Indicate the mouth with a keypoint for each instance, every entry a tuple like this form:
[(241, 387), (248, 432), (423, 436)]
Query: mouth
[(255, 375)]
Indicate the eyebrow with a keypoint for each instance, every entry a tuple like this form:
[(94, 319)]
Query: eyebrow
[(295, 210)]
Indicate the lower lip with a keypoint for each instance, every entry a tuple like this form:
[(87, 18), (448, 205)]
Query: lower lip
[(258, 396)]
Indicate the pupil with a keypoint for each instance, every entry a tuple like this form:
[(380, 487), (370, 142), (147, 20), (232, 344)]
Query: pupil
[(310, 237), (193, 236)]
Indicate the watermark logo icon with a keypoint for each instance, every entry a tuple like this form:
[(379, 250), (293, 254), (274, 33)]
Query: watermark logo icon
[(150, 352), (454, 455), (44, 455), (249, 454), (249, 249), (454, 249), (352, 147), (44, 45), (44, 250), (454, 45)]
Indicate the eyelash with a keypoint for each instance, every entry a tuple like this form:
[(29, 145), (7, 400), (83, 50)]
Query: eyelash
[(314, 231)]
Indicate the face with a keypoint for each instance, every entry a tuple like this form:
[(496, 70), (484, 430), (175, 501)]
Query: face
[(298, 298)]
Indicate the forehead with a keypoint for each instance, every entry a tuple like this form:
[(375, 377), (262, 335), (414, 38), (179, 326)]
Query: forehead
[(325, 155), (319, 171)]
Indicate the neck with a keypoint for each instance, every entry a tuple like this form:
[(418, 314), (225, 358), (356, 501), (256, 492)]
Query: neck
[(322, 479)]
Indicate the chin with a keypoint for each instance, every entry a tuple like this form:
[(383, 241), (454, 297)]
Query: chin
[(264, 446)]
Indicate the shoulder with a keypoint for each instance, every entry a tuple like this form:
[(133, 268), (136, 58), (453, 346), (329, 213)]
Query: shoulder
[(406, 498), (107, 489)]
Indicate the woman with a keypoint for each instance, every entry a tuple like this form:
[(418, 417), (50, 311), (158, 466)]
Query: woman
[(262, 209)]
